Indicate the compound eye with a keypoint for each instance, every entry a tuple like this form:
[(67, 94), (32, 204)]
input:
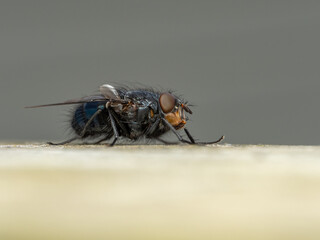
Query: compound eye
[(167, 102)]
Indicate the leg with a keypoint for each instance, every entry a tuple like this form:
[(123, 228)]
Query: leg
[(166, 142), (123, 128), (96, 142), (101, 140), (192, 139), (83, 132), (152, 128), (217, 141), (175, 132), (189, 136), (64, 142), (114, 127)]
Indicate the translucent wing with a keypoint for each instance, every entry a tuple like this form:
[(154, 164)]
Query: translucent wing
[(98, 98), (107, 91)]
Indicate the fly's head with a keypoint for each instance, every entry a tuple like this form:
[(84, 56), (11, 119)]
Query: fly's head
[(173, 110)]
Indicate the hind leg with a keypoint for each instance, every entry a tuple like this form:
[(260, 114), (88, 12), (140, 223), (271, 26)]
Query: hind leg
[(83, 132), (96, 142), (64, 142)]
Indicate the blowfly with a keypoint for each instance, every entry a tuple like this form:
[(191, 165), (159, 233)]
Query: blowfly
[(128, 113)]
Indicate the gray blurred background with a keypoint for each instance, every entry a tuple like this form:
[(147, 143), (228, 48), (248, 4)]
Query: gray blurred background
[(250, 67)]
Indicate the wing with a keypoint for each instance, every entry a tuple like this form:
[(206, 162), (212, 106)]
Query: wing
[(74, 101), (108, 93)]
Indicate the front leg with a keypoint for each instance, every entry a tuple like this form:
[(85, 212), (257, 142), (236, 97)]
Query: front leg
[(194, 142), (180, 138)]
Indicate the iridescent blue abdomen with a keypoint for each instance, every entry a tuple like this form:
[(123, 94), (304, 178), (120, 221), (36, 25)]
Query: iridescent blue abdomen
[(100, 124)]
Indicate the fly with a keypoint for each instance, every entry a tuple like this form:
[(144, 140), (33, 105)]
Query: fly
[(127, 113)]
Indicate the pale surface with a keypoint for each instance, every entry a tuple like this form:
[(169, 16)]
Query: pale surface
[(159, 192)]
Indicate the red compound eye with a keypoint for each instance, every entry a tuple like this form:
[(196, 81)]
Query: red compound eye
[(167, 102)]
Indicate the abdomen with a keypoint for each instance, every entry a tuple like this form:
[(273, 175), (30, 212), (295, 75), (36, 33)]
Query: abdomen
[(101, 124)]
